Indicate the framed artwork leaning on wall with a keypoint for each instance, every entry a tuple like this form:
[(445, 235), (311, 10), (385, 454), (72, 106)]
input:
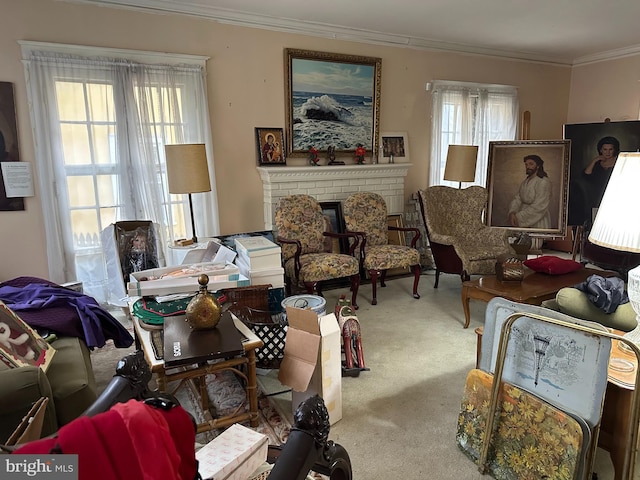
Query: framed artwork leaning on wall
[(528, 186)]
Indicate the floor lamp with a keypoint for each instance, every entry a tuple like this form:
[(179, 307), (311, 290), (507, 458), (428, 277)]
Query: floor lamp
[(617, 225), (461, 164), (188, 172)]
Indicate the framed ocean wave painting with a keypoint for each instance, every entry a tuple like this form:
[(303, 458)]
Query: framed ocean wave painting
[(332, 100)]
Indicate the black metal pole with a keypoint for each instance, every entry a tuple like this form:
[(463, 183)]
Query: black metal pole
[(193, 222)]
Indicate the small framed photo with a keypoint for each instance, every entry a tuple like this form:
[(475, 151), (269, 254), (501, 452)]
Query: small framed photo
[(394, 146), (270, 146), (333, 211)]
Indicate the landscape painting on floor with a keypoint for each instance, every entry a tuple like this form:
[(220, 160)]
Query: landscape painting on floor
[(332, 100)]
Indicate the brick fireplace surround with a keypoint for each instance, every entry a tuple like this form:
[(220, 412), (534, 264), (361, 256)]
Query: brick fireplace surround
[(333, 183)]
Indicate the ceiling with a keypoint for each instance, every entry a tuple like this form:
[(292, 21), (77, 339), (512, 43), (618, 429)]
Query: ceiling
[(568, 32)]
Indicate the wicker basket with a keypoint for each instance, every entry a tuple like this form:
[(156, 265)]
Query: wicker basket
[(251, 305)]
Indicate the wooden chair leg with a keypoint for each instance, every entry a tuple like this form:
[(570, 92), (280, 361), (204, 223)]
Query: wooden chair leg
[(355, 284), (435, 285), (374, 283), (416, 279), (383, 277)]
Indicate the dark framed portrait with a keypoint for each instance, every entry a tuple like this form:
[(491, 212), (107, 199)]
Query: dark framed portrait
[(333, 211), (9, 151), (270, 146), (593, 145), (528, 186), (331, 100)]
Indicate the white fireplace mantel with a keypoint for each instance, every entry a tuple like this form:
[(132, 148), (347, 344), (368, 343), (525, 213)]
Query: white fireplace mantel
[(333, 183)]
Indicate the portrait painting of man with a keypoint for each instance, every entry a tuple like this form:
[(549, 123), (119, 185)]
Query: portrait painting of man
[(527, 183)]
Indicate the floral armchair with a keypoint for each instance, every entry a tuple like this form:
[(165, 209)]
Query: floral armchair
[(460, 242), (300, 226), (365, 213)]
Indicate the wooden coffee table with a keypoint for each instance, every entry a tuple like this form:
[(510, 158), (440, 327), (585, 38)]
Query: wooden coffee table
[(533, 289)]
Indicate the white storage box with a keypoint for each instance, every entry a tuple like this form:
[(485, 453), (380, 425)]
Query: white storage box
[(263, 276), (233, 455), (184, 279), (258, 252)]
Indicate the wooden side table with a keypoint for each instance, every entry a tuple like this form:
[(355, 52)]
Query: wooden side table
[(190, 373), (534, 289)]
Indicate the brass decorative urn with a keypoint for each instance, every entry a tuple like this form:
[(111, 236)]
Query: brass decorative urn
[(203, 311)]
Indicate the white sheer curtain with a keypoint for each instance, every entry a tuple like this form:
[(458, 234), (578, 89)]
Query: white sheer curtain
[(100, 124), (470, 114)]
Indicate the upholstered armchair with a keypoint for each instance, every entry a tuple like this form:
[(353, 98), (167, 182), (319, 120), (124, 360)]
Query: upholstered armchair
[(300, 226), (460, 242), (365, 213)]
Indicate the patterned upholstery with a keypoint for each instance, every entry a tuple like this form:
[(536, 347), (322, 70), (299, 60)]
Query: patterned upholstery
[(366, 212), (460, 242), (300, 226)]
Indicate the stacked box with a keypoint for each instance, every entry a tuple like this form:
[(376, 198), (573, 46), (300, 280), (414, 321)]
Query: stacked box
[(259, 253), (259, 260)]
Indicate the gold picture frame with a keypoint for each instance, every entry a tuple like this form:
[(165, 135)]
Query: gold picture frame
[(506, 179), (323, 90)]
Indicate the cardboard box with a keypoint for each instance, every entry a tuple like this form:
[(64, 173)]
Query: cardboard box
[(156, 282), (233, 455), (312, 362)]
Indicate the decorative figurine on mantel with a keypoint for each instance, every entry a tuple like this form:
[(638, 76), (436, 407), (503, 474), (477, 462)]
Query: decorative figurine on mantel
[(360, 153), (313, 156), (331, 155)]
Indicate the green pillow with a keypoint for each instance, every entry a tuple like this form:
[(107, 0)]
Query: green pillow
[(577, 304)]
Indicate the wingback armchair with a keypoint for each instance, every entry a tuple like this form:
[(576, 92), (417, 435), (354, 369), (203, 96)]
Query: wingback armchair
[(300, 226), (365, 213), (460, 242)]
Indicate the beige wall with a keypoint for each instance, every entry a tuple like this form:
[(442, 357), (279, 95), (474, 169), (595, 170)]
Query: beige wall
[(609, 89), (246, 90)]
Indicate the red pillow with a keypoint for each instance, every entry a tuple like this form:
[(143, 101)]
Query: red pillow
[(552, 265)]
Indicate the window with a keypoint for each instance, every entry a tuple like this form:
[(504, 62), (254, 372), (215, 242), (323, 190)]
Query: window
[(469, 114), (101, 124)]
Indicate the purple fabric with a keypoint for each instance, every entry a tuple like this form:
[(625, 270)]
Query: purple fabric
[(47, 306)]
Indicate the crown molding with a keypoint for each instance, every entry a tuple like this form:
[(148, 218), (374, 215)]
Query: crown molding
[(265, 22)]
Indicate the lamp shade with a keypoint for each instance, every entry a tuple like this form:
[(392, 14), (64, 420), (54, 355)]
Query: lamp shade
[(461, 163), (187, 168), (617, 224)]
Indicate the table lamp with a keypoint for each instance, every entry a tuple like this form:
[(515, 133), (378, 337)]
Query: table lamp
[(461, 164), (617, 226), (188, 172)]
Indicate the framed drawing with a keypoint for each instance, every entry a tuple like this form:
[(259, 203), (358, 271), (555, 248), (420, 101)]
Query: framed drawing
[(394, 147), (591, 144), (8, 143), (333, 211), (331, 100), (270, 146), (528, 186)]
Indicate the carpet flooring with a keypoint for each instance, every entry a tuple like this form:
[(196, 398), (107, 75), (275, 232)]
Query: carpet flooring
[(400, 417)]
